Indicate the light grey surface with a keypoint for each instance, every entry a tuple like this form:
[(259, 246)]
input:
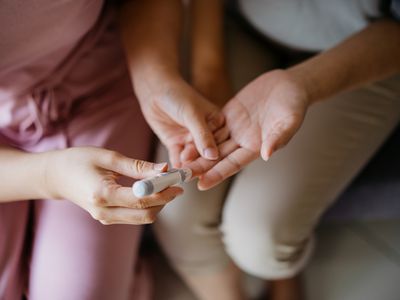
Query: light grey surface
[(356, 261), (353, 261)]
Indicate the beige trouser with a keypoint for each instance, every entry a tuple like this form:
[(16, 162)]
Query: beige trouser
[(264, 219)]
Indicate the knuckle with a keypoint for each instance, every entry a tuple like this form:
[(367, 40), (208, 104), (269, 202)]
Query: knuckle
[(105, 222), (139, 165), (234, 163), (218, 175), (114, 157), (103, 193), (98, 200), (107, 191), (99, 214), (141, 203), (204, 132), (165, 198), (148, 217)]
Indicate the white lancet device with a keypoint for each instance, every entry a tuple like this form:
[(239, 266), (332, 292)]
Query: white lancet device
[(160, 182)]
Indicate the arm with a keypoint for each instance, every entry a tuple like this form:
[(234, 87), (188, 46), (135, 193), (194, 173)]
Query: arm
[(87, 177), (209, 73), (265, 114), (370, 55), (151, 33), (21, 175), (175, 111)]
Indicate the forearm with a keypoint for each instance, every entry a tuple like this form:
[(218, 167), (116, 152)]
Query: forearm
[(151, 32), (22, 175), (208, 65), (207, 38), (370, 55)]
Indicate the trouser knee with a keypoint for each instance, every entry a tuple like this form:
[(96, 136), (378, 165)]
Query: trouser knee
[(265, 254)]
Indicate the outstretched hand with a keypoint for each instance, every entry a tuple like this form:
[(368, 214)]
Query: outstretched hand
[(261, 118)]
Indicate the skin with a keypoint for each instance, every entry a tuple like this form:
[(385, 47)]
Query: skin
[(266, 113), (208, 69), (180, 116), (85, 176), (209, 76)]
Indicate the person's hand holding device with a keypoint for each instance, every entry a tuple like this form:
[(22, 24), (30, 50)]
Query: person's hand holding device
[(88, 177)]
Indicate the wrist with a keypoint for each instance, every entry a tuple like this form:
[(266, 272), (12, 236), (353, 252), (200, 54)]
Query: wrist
[(33, 168), (47, 164), (207, 69), (305, 82), (154, 78)]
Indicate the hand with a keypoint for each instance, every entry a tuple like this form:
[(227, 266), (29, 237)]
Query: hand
[(262, 118), (214, 84), (87, 176), (182, 119)]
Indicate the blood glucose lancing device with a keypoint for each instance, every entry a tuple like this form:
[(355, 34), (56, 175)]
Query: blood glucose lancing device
[(160, 182)]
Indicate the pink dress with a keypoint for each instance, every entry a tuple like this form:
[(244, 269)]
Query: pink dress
[(64, 83)]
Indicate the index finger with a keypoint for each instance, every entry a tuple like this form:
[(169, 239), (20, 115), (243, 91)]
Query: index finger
[(202, 165), (123, 197), (227, 167)]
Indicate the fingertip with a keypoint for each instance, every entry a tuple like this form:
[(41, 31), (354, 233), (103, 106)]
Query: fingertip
[(202, 185), (204, 139), (266, 152), (178, 190), (265, 156), (211, 153), (161, 167)]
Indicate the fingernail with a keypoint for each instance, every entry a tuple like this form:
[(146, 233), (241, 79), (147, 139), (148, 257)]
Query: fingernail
[(211, 153), (160, 166), (202, 185), (202, 188)]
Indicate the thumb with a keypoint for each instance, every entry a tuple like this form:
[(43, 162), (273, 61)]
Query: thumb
[(268, 146), (273, 135), (277, 135), (202, 136), (130, 167)]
